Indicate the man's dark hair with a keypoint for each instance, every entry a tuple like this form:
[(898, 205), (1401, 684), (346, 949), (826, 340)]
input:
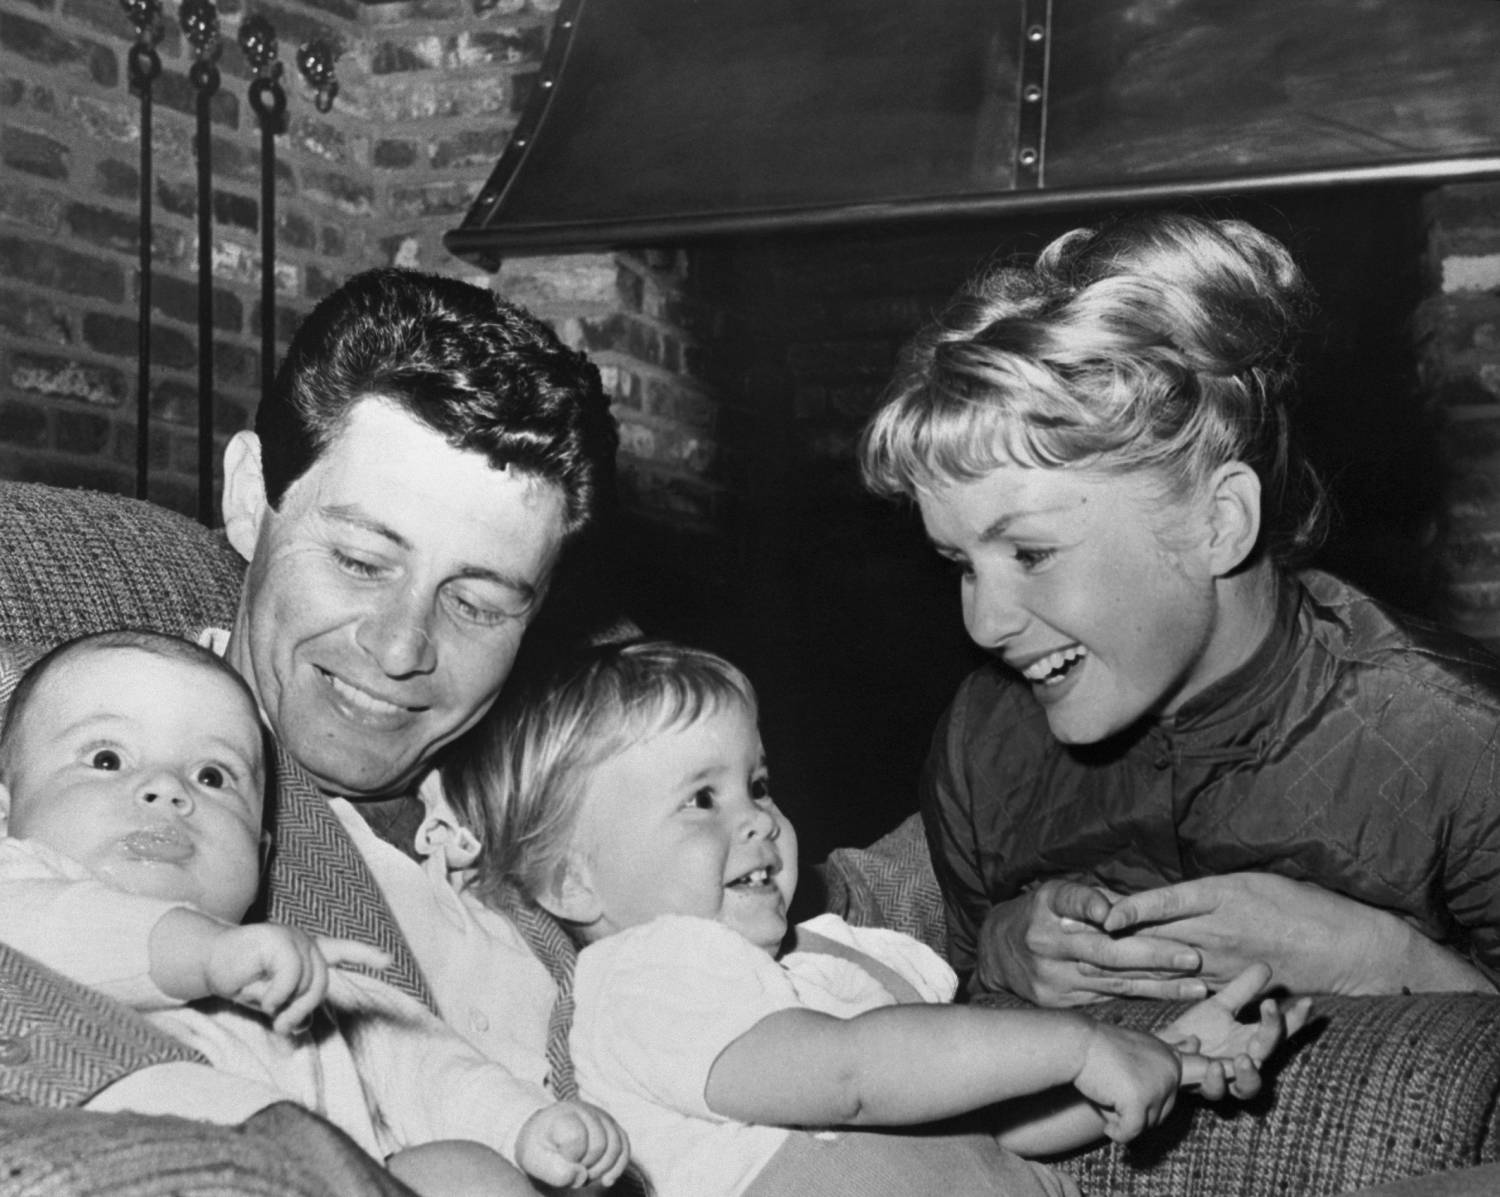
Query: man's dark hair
[(478, 370)]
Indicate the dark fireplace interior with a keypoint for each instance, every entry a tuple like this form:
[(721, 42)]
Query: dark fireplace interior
[(848, 624)]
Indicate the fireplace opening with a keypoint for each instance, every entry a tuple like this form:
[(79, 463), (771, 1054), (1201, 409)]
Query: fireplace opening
[(846, 621)]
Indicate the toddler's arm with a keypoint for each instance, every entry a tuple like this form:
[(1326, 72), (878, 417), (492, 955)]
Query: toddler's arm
[(279, 970), (901, 1065), (918, 1063)]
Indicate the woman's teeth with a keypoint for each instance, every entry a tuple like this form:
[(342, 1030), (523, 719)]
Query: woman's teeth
[(1053, 666)]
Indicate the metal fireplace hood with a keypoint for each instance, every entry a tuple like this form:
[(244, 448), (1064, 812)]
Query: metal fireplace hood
[(661, 122)]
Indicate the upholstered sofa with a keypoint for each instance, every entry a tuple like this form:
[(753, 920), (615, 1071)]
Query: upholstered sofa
[(1376, 1090)]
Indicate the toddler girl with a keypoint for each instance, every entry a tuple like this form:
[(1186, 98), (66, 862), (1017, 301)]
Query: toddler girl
[(630, 797)]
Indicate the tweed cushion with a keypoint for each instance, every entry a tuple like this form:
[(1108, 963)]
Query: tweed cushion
[(1374, 1089), (1378, 1088), (120, 562)]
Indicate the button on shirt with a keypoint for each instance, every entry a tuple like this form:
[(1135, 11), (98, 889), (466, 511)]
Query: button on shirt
[(487, 984)]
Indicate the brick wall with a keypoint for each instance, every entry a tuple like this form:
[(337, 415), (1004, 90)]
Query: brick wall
[(1458, 352), (429, 91)]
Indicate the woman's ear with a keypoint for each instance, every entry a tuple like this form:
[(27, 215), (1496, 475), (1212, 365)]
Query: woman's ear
[(244, 492), (1234, 517)]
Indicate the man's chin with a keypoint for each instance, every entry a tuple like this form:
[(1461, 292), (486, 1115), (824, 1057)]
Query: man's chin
[(358, 779)]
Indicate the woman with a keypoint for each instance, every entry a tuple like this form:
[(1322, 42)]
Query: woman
[(1185, 756)]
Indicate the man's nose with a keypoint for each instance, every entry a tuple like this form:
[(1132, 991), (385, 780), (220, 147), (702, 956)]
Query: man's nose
[(165, 793), (992, 609), (397, 635)]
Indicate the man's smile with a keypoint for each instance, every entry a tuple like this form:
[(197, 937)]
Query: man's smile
[(363, 707)]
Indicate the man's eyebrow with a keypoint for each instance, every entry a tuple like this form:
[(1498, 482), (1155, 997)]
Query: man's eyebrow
[(522, 586), (356, 519)]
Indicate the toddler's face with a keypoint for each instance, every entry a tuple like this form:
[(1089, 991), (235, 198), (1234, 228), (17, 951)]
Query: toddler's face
[(683, 823), (148, 772)]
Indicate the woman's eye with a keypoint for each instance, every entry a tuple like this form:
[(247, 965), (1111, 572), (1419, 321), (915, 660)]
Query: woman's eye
[(106, 759), (212, 777)]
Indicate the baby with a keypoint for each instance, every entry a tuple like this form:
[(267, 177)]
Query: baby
[(132, 771), (631, 799)]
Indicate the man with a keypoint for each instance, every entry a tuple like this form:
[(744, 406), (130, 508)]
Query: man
[(404, 503)]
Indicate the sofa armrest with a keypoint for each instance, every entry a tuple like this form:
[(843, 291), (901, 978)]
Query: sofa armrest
[(889, 884), (1374, 1089)]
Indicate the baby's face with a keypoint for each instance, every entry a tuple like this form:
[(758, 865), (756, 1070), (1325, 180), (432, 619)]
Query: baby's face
[(147, 771), (683, 823)]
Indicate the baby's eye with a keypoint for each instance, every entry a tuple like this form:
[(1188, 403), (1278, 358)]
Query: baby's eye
[(106, 759), (212, 777), (702, 799), (760, 788)]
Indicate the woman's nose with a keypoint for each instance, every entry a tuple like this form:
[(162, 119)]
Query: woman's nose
[(396, 636), (992, 611)]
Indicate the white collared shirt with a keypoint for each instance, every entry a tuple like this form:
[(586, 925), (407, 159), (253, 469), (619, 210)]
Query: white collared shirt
[(488, 985)]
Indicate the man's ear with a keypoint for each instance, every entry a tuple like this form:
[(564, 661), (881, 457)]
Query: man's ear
[(1234, 517), (572, 898), (244, 492)]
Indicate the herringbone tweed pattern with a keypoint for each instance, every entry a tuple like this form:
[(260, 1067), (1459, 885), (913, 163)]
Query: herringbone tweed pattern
[(318, 881), (551, 945)]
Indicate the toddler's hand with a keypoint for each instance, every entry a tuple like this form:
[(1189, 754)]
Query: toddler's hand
[(1131, 1077), (279, 970), (1224, 1054), (572, 1143)]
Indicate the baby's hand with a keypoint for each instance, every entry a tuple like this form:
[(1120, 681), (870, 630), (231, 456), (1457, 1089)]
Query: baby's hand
[(572, 1143), (279, 970), (1131, 1077), (1222, 1054)]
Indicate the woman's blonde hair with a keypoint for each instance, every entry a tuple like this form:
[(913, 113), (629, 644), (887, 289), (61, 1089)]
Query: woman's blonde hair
[(519, 777), (1162, 342)]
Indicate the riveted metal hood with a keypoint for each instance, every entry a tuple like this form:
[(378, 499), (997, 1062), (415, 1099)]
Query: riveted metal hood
[(667, 121)]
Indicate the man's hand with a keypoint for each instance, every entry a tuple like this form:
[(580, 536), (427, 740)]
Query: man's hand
[(1049, 946), (571, 1144), (1314, 940), (279, 970), (1225, 1055)]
